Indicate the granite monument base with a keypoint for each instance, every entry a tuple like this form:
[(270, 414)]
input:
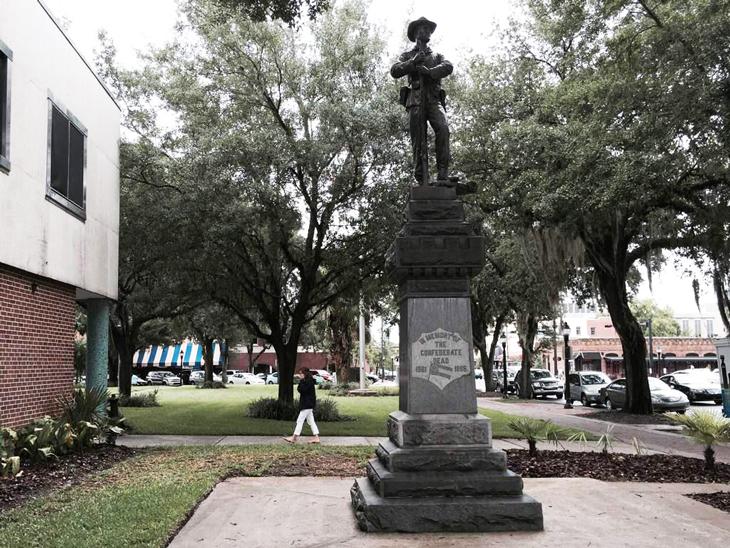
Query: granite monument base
[(441, 473)]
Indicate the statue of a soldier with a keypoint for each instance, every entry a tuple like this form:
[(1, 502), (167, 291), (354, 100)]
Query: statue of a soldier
[(425, 100)]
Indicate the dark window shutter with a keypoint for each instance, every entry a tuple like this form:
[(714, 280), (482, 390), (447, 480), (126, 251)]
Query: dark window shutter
[(76, 166), (59, 152), (3, 100)]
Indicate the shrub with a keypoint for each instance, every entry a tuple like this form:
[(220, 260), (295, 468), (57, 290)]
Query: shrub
[(534, 430), (9, 462), (142, 399), (705, 428), (343, 389), (387, 391), (271, 408), (211, 384), (84, 405)]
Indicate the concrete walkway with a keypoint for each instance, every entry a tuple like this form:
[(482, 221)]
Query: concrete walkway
[(309, 512), (140, 441), (672, 443)]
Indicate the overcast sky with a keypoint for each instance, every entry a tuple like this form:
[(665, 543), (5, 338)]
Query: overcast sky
[(464, 26)]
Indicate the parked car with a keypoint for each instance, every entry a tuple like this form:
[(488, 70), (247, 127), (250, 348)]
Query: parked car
[(273, 378), (384, 384), (244, 378), (372, 377), (198, 377), (170, 379), (156, 377), (663, 397), (261, 376), (324, 374), (138, 381), (498, 377), (697, 384), (543, 384), (586, 386)]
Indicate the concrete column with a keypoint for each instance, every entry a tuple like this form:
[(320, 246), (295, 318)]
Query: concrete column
[(97, 343)]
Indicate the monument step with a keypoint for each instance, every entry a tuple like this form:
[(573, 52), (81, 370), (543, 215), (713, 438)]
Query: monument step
[(441, 457), (430, 514), (435, 210), (429, 192), (406, 430), (430, 483)]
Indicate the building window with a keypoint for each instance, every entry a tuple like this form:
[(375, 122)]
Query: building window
[(698, 328), (6, 56), (593, 331), (685, 327), (710, 329), (577, 330), (66, 161)]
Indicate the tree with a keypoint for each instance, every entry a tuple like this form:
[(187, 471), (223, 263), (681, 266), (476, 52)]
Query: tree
[(663, 323), (284, 150), (589, 133), (288, 11)]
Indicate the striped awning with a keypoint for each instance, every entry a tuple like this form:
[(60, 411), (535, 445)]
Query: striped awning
[(188, 355)]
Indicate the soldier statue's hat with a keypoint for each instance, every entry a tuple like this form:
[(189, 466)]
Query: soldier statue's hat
[(414, 24)]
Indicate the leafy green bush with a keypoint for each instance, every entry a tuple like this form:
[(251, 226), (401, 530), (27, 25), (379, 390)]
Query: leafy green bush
[(9, 462), (86, 405), (343, 389), (271, 408), (705, 428), (142, 399), (211, 384), (534, 430)]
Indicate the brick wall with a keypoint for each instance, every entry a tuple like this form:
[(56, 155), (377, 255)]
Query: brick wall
[(36, 345)]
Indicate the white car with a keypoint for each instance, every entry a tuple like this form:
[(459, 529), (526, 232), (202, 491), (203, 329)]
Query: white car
[(138, 381), (384, 384), (245, 378), (273, 378), (170, 379)]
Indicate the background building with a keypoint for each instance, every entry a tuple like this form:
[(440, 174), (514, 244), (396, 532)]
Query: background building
[(59, 211)]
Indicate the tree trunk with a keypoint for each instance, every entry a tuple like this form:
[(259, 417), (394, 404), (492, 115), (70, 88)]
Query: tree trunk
[(125, 372), (709, 459), (489, 367), (341, 326), (224, 360), (286, 356), (527, 342), (633, 343), (532, 445), (208, 357)]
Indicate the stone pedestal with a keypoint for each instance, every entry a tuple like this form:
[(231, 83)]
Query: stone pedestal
[(438, 470)]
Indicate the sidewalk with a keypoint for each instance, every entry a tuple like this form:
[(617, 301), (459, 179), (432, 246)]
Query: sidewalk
[(672, 443), (139, 441), (267, 512)]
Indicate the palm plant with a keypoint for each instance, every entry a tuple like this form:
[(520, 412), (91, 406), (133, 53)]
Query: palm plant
[(534, 430), (605, 442), (705, 428)]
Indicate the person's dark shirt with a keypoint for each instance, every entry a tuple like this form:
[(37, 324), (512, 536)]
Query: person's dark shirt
[(307, 394)]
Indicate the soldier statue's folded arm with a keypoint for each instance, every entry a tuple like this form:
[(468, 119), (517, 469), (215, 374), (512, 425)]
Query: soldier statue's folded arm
[(442, 70), (404, 65)]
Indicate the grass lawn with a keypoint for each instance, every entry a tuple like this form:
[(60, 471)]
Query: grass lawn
[(143, 500), (191, 411)]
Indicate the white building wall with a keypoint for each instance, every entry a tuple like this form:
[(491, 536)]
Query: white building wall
[(39, 236)]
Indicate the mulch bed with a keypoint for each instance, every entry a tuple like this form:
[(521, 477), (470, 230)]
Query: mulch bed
[(37, 479), (315, 465), (720, 500), (614, 467), (628, 418)]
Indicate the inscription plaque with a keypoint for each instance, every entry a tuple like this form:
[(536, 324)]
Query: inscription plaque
[(440, 357)]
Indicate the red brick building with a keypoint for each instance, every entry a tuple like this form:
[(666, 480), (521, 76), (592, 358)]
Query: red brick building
[(36, 345), (265, 362), (59, 212), (606, 355)]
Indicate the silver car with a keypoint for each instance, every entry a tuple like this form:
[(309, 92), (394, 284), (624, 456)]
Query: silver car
[(586, 386), (663, 397)]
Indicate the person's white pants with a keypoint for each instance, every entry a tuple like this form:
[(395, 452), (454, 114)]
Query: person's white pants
[(307, 414)]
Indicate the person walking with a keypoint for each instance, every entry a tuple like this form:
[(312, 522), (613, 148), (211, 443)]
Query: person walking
[(307, 403)]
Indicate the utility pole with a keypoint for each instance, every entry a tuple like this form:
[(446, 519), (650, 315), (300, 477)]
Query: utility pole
[(362, 346)]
